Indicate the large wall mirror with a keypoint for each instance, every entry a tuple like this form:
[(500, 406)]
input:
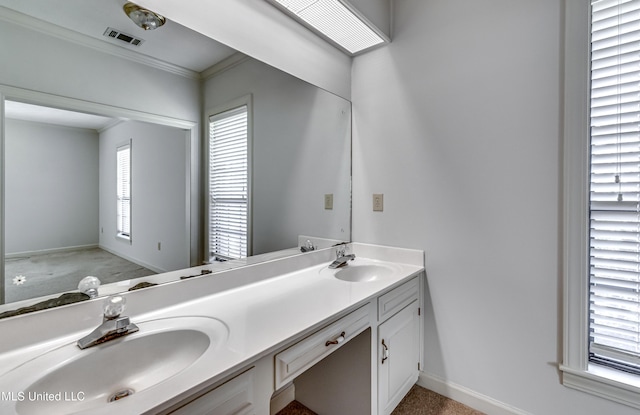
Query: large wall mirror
[(75, 97)]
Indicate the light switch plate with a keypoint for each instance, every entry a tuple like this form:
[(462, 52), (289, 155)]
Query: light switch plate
[(328, 201), (378, 202)]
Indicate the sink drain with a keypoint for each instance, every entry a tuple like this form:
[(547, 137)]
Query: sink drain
[(121, 394)]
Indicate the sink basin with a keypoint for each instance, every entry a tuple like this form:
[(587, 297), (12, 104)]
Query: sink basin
[(363, 273), (363, 270), (70, 380)]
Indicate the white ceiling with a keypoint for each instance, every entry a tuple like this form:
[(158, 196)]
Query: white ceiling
[(171, 43)]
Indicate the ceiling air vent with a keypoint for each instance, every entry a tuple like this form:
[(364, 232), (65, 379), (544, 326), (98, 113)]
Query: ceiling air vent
[(116, 34)]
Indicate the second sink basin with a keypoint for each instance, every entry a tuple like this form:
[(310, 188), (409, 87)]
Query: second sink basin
[(363, 270), (364, 273), (77, 380)]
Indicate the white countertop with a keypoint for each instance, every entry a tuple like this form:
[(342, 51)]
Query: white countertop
[(261, 316)]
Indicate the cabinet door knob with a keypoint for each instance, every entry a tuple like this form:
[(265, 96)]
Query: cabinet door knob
[(385, 352), (338, 340)]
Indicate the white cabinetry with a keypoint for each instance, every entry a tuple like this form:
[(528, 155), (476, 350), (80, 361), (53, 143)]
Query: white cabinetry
[(398, 345)]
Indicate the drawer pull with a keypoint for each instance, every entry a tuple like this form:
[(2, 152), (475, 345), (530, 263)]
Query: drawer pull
[(385, 352), (338, 340)]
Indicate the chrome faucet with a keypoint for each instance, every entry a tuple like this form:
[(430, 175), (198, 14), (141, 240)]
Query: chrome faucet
[(308, 247), (341, 258), (112, 327)]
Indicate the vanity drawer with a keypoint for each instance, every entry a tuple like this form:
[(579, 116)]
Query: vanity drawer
[(234, 397), (307, 352), (396, 299)]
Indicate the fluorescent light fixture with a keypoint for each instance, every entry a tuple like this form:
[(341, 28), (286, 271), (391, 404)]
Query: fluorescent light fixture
[(336, 21)]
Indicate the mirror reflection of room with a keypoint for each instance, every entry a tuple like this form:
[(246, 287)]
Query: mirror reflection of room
[(64, 213), (61, 212)]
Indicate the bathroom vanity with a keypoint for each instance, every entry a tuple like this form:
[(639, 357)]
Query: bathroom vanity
[(241, 341)]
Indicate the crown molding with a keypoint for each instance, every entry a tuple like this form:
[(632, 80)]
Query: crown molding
[(224, 65), (11, 16)]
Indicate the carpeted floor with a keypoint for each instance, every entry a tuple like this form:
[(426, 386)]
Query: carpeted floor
[(296, 408), (60, 272), (419, 401)]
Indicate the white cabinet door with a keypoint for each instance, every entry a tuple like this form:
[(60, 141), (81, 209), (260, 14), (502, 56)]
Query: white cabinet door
[(398, 357)]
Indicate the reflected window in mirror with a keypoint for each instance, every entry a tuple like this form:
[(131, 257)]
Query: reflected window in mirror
[(228, 206), (124, 191)]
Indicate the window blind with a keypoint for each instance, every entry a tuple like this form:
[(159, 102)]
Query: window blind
[(123, 184), (228, 184), (614, 298)]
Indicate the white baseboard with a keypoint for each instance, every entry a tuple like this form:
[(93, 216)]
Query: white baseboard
[(282, 398), (467, 396)]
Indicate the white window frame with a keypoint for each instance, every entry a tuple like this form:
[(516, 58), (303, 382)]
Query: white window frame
[(247, 101), (119, 232), (578, 373)]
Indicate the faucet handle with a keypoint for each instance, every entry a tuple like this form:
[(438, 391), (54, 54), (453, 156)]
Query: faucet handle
[(114, 306), (89, 285), (122, 323)]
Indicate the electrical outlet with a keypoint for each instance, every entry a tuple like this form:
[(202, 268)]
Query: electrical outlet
[(378, 202), (328, 201)]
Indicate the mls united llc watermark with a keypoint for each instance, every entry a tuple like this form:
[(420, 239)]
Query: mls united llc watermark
[(42, 396)]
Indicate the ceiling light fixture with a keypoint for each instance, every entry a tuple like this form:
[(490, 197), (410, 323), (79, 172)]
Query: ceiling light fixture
[(144, 18), (337, 21)]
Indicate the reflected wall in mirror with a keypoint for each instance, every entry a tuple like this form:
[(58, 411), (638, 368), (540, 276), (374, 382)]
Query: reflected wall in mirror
[(301, 149), (60, 202), (64, 177)]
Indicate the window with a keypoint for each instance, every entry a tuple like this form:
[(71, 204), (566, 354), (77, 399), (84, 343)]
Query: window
[(614, 234), (602, 199), (229, 184), (123, 185)]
